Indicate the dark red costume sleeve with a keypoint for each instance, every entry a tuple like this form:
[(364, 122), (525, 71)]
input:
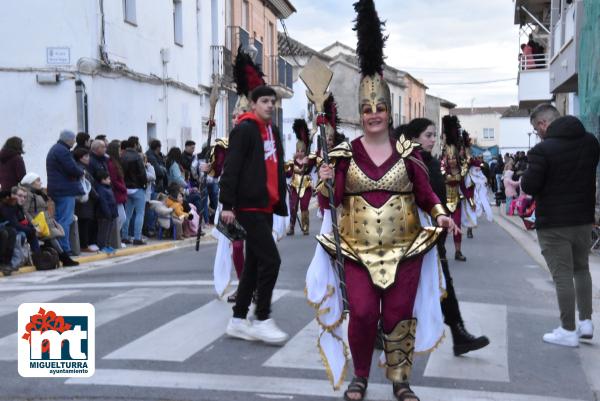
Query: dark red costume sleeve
[(417, 171)]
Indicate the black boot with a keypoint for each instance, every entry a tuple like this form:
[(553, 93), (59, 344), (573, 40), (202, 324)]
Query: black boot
[(66, 260), (465, 341), (459, 256), (469, 233)]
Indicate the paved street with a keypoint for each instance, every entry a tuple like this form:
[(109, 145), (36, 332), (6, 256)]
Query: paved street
[(160, 333)]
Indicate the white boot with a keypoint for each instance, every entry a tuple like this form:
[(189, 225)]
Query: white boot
[(563, 337), (267, 331), (585, 329)]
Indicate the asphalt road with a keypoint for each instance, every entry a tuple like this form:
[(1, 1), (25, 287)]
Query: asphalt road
[(160, 332)]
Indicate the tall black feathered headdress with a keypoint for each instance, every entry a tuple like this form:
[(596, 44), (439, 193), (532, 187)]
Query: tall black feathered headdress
[(373, 89), (247, 76), (450, 128), (300, 128)]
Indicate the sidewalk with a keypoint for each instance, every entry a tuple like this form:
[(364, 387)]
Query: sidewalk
[(528, 240), (153, 245)]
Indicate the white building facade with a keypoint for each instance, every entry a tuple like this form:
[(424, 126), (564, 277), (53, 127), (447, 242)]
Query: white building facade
[(482, 123), (114, 67)]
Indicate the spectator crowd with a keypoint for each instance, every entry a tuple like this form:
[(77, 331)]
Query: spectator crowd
[(100, 196)]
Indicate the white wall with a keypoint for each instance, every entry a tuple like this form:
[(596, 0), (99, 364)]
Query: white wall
[(474, 125), (294, 107), (513, 134), (534, 85)]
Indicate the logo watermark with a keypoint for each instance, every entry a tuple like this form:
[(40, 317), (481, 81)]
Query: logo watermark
[(56, 340)]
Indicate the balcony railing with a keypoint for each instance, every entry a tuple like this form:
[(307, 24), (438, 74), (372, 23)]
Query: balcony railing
[(236, 36), (279, 72), (222, 64), (533, 61)]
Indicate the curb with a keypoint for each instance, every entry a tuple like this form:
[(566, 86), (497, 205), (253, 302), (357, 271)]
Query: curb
[(132, 250)]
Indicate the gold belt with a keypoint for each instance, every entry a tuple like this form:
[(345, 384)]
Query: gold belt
[(381, 238)]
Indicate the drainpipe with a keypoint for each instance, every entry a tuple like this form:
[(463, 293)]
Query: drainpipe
[(82, 106)]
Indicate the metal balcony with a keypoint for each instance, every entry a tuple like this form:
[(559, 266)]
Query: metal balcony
[(534, 80), (222, 63)]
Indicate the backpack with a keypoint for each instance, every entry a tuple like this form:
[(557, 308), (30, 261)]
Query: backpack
[(48, 259), (22, 253)]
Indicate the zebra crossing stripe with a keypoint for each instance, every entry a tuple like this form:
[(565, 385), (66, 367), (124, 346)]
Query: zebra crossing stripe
[(117, 284), (489, 363), (301, 352), (170, 343), (106, 311), (280, 385), (11, 304)]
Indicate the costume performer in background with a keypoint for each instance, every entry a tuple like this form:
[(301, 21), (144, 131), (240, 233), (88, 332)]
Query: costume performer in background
[(380, 184), (475, 201), (454, 169), (423, 131), (299, 170)]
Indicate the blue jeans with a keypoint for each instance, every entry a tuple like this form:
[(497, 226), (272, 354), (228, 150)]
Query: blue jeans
[(136, 202), (64, 209), (201, 204), (213, 194)]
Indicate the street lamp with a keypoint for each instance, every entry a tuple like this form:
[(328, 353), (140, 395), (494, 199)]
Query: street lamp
[(529, 139), (252, 51)]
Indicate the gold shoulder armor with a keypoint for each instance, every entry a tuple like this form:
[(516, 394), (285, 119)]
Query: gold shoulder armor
[(222, 143), (405, 146), (341, 151)]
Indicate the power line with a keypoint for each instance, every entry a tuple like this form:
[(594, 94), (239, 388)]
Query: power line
[(471, 83)]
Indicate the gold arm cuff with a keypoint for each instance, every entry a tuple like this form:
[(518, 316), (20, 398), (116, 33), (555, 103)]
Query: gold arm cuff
[(438, 210)]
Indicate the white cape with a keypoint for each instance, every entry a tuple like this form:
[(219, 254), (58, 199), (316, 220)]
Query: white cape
[(322, 292)]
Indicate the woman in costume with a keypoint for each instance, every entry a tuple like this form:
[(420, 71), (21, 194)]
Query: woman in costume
[(454, 169), (380, 183), (299, 170), (422, 131)]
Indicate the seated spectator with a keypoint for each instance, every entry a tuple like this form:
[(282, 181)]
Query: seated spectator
[(157, 159), (86, 211), (107, 211), (12, 166), (163, 212), (175, 168), (11, 211), (36, 201), (180, 216), (8, 237)]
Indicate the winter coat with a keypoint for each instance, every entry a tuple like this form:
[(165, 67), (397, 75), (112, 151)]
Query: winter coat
[(107, 204), (160, 169), (510, 185), (243, 183), (12, 168), (163, 213), (15, 216), (134, 170), (35, 202), (97, 163), (177, 208), (176, 175), (87, 210), (118, 183), (151, 175), (562, 175), (63, 172)]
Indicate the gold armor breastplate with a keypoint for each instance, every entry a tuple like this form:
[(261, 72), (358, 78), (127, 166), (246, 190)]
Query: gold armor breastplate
[(380, 238), (298, 183)]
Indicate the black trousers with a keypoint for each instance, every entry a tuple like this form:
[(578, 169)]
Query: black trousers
[(7, 244), (261, 266), (450, 307)]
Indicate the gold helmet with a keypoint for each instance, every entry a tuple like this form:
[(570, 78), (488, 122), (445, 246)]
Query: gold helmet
[(373, 89)]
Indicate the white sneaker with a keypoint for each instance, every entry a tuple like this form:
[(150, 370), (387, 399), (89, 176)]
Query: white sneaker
[(94, 248), (585, 329), (123, 245), (267, 331), (240, 328), (563, 337)]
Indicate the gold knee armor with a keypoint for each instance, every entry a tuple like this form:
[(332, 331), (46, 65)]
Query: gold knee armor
[(304, 221), (399, 347)]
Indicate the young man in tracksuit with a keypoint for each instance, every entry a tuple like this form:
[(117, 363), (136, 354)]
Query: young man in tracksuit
[(252, 189)]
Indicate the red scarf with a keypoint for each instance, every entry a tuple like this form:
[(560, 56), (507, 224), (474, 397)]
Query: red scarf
[(270, 149)]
